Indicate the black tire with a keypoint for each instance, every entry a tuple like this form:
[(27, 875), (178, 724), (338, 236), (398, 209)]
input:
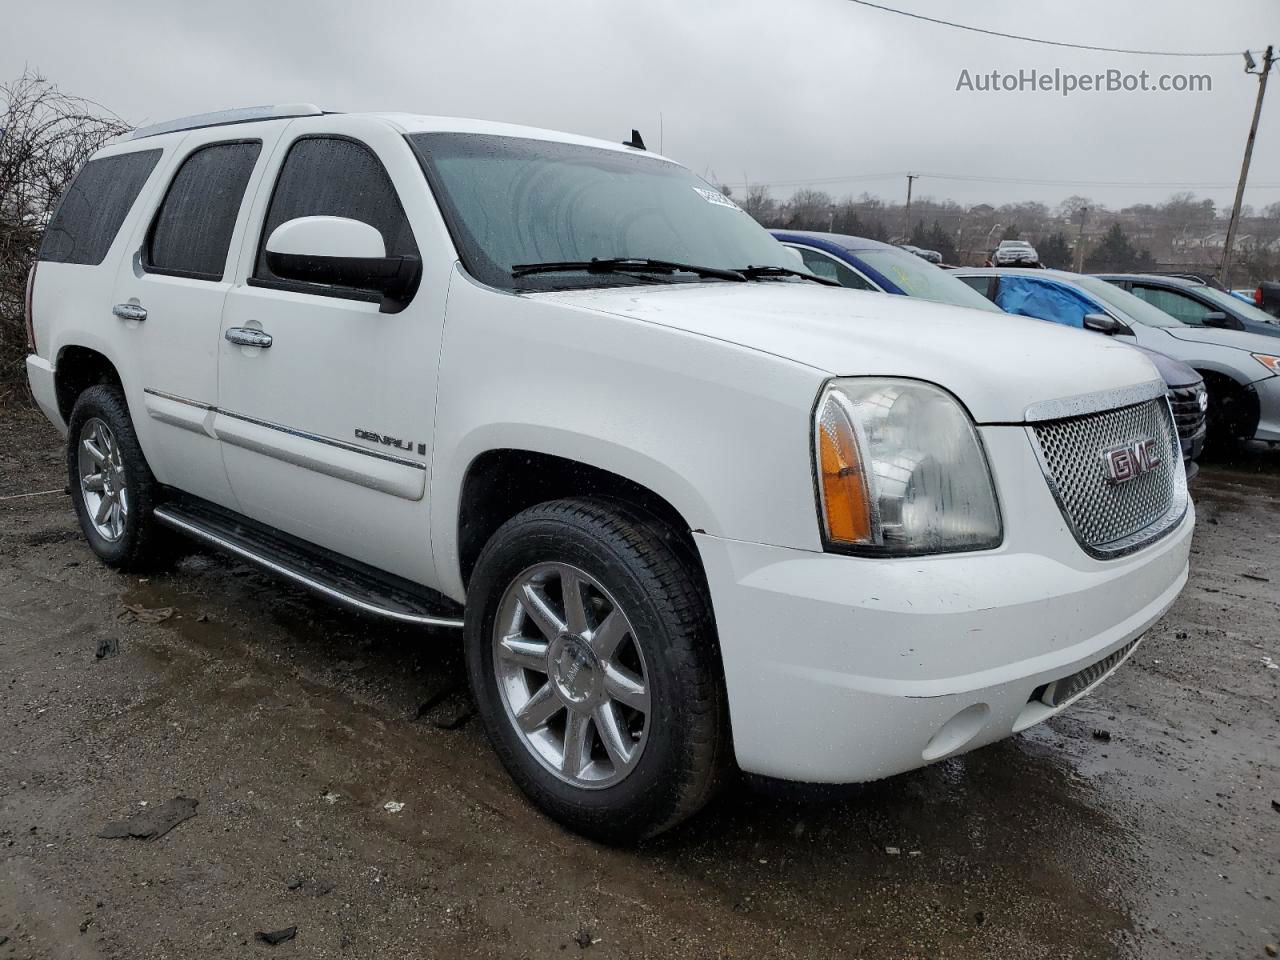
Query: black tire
[(143, 544), (632, 555), (1232, 417)]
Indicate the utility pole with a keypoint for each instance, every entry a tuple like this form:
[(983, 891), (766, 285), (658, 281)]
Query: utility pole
[(1268, 58), (1084, 215), (911, 178)]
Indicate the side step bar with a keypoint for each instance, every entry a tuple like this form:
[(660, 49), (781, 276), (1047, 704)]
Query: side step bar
[(347, 582)]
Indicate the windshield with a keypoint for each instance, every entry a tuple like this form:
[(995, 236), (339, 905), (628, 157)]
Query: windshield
[(1246, 311), (1124, 301), (919, 278), (511, 200)]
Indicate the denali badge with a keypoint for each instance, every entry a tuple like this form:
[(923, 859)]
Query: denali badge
[(1131, 461), (383, 439)]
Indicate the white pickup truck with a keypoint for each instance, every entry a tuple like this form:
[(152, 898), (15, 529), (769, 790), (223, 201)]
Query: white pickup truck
[(692, 509)]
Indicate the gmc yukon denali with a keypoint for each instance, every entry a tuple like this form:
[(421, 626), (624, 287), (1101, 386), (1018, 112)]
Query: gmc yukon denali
[(692, 511)]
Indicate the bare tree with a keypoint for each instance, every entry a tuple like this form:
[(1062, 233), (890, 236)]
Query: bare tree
[(760, 204), (45, 136)]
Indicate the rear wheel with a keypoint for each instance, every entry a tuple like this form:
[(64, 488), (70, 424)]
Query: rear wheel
[(111, 485), (592, 658)]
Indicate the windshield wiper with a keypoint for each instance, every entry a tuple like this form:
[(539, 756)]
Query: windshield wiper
[(755, 273), (625, 265)]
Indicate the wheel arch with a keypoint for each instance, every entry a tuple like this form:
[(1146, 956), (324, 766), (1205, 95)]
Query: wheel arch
[(501, 482), (76, 369), (1242, 397)]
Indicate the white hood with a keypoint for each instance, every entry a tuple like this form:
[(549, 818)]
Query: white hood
[(997, 364)]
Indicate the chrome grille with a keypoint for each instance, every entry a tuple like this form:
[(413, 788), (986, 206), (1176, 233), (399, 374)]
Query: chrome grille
[(1110, 519), (1188, 413)]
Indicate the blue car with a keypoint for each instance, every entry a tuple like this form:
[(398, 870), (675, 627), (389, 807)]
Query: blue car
[(871, 265)]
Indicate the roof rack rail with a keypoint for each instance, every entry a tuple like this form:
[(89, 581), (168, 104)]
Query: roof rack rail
[(221, 117)]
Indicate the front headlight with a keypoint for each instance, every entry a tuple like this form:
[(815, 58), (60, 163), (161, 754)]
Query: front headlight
[(1268, 361), (901, 470)]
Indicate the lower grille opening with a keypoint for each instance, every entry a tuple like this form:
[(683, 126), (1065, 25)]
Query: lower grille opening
[(1062, 691)]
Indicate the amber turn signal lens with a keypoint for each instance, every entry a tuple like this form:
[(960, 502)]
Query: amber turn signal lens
[(845, 503)]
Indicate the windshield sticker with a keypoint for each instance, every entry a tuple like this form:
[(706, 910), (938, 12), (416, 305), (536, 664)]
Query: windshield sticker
[(716, 197)]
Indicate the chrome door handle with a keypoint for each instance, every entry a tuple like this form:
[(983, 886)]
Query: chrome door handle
[(248, 337), (130, 311)]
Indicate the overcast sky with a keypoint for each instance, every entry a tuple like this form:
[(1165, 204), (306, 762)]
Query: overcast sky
[(773, 91)]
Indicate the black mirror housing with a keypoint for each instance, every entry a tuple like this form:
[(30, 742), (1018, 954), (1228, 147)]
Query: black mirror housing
[(396, 278)]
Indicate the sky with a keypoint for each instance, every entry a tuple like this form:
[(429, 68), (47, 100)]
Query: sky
[(822, 93)]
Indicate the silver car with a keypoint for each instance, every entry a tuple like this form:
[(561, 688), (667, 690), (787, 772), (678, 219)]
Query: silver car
[(1241, 370)]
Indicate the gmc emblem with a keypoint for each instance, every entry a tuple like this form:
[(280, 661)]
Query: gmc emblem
[(1131, 461)]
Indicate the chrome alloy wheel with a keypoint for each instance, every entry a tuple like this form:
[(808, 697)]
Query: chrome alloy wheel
[(103, 486), (571, 675)]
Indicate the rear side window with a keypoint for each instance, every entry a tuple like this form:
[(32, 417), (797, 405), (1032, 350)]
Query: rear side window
[(831, 269), (335, 177), (94, 206), (192, 229), (981, 284)]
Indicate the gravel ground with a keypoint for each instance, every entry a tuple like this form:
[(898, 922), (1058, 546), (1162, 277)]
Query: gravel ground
[(1144, 822)]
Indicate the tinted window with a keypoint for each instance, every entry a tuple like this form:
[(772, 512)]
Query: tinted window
[(332, 177), (831, 269), (193, 226), (92, 210)]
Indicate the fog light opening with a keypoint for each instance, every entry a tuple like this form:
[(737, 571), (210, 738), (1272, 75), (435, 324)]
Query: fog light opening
[(957, 732)]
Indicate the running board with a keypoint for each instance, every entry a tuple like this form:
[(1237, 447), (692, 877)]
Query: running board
[(347, 582)]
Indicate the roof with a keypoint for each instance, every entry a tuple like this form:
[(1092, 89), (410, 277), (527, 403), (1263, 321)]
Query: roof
[(407, 123), (1154, 278), (842, 240)]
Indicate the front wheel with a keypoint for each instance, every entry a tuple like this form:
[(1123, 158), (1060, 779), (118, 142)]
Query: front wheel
[(592, 658)]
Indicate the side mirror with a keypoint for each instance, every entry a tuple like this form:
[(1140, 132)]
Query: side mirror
[(340, 252), (1104, 323), (1218, 319)]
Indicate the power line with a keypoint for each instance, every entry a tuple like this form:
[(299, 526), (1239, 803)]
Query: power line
[(1051, 43), (1025, 181)]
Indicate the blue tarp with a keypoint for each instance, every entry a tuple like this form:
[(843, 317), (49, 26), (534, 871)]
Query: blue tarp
[(1045, 300)]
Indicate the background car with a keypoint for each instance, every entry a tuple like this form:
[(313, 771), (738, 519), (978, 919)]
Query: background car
[(1266, 296), (864, 264), (1012, 253), (1196, 304), (933, 256), (870, 265), (1241, 369)]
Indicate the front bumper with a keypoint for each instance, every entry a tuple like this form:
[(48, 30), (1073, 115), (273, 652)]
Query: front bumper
[(43, 388), (1268, 391), (844, 669)]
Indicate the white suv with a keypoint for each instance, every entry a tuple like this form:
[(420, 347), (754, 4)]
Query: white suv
[(690, 507)]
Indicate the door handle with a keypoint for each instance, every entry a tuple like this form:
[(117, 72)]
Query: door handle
[(248, 337), (130, 311)]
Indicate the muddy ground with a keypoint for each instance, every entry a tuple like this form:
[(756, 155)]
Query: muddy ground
[(293, 724)]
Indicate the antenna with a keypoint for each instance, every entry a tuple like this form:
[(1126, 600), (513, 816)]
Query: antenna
[(636, 140)]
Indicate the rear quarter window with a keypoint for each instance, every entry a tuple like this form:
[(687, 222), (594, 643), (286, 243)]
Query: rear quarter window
[(94, 206)]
